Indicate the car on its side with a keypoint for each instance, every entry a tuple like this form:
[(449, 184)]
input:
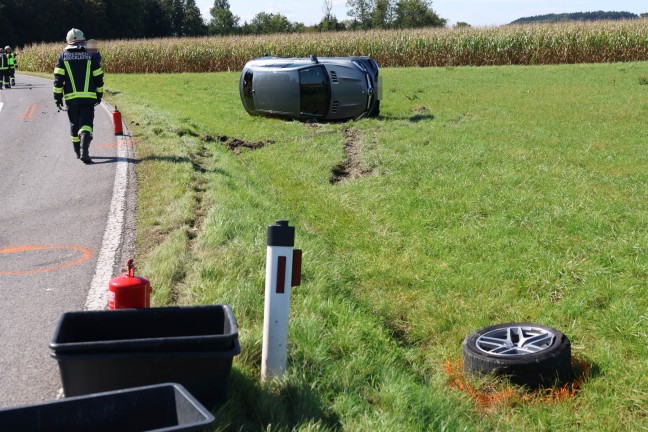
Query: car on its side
[(324, 89)]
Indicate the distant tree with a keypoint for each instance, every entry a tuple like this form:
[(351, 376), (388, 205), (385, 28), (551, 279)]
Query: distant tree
[(7, 30), (125, 19), (157, 22), (223, 21), (644, 15), (417, 13), (176, 13), (193, 24), (361, 11), (327, 8), (329, 21), (576, 16), (266, 23), (348, 24), (383, 13), (461, 24)]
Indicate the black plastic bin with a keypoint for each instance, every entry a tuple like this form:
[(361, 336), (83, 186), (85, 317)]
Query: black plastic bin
[(162, 407), (107, 350)]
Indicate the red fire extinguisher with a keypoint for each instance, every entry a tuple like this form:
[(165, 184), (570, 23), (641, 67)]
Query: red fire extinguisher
[(129, 291), (117, 122)]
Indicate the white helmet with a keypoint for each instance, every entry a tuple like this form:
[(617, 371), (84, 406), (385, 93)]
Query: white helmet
[(75, 37), (7, 48)]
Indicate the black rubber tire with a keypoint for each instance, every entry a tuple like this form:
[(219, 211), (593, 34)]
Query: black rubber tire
[(532, 369), (375, 110)]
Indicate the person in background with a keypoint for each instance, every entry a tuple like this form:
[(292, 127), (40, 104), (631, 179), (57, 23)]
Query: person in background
[(11, 57), (4, 70), (79, 80)]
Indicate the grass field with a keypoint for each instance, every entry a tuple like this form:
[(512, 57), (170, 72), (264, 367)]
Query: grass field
[(480, 196)]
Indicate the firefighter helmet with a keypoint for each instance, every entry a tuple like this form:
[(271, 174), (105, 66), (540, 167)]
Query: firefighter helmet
[(75, 37), (7, 48)]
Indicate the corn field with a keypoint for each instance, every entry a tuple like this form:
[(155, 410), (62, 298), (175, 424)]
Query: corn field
[(592, 42)]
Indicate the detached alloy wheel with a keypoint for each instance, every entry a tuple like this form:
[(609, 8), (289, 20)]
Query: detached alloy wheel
[(529, 354)]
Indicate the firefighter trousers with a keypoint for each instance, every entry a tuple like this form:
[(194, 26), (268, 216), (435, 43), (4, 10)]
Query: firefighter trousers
[(5, 78), (81, 119)]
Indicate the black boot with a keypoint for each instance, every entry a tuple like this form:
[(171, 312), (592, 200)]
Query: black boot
[(77, 149), (85, 146)]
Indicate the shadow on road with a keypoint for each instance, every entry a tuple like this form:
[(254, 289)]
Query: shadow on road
[(28, 86), (111, 159)]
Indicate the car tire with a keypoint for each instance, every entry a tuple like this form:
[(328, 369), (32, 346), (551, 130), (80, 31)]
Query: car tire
[(528, 354), (375, 111)]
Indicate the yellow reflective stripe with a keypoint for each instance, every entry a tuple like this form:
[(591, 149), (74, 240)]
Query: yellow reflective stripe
[(85, 129), (97, 72), (75, 139), (87, 78), (59, 71), (99, 89), (78, 95), (67, 67), (58, 90)]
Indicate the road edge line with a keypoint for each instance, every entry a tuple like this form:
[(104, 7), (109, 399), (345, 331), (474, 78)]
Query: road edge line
[(113, 239)]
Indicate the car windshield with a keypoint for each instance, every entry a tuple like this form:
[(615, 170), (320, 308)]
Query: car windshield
[(247, 90), (314, 91)]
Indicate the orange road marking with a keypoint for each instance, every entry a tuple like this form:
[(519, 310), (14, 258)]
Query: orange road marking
[(86, 255), (32, 111), (24, 114), (29, 112)]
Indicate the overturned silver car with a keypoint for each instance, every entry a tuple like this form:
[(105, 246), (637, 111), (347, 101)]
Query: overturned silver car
[(328, 88)]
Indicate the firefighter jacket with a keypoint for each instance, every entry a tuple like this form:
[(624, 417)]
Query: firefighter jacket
[(4, 62), (78, 77), (11, 60)]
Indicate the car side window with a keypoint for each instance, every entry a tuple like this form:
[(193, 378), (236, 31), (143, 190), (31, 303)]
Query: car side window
[(247, 90), (315, 91)]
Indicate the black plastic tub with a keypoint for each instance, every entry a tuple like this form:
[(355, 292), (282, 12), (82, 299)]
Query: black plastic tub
[(194, 328), (194, 346), (163, 407)]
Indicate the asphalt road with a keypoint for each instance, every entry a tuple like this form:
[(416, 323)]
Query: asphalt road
[(53, 216)]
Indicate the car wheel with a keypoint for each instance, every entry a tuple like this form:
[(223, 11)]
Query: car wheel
[(529, 354), (375, 111)]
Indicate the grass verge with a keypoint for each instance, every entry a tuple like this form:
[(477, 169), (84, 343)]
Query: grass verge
[(483, 195)]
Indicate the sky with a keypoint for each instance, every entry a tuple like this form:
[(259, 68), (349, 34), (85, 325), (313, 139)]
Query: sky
[(474, 12)]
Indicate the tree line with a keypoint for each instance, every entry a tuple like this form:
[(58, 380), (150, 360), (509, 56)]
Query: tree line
[(577, 16), (25, 22)]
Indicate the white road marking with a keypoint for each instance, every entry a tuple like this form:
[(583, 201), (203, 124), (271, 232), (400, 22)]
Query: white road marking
[(97, 298)]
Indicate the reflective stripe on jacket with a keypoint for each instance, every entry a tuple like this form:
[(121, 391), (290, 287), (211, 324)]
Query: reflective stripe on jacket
[(78, 76), (4, 64)]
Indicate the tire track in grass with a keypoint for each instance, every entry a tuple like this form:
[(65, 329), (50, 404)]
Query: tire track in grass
[(351, 167)]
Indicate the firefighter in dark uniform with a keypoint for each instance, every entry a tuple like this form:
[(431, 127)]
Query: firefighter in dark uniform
[(78, 78), (4, 70), (11, 58)]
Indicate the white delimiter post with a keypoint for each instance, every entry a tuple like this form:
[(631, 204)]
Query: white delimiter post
[(279, 263)]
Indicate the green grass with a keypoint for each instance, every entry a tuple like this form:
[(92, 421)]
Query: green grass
[(496, 194)]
